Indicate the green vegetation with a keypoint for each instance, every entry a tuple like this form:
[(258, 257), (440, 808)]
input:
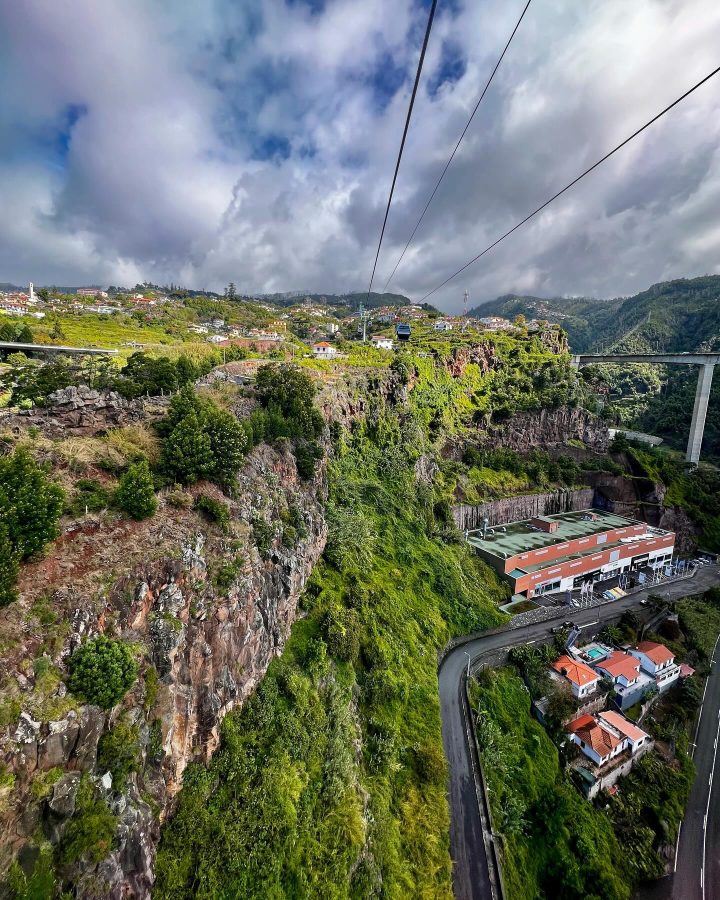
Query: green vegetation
[(102, 671), (201, 441), (91, 830), (215, 510), (693, 489), (136, 492), (30, 507), (554, 843), (119, 753), (288, 807)]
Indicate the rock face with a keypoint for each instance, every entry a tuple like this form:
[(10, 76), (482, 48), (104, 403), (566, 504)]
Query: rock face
[(482, 355), (524, 506), (209, 610), (84, 411), (549, 428)]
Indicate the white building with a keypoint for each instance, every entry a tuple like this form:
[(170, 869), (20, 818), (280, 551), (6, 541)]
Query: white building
[(198, 329), (495, 323), (215, 339), (582, 679), (442, 325), (324, 350), (657, 661), (381, 342), (332, 328), (602, 738)]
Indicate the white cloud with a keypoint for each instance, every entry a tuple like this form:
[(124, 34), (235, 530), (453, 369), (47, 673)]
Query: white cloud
[(168, 172)]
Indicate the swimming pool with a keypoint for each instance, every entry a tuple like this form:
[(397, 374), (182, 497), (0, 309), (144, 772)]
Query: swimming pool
[(594, 653)]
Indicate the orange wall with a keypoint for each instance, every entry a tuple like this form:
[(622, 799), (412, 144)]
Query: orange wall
[(576, 545), (593, 561)]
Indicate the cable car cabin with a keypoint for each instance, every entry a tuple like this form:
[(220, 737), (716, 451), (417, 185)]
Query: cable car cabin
[(402, 331)]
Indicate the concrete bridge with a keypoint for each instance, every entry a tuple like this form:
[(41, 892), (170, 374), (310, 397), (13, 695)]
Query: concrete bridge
[(706, 362)]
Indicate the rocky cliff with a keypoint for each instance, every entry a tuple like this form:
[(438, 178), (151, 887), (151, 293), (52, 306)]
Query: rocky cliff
[(206, 611), (548, 428), (524, 506)]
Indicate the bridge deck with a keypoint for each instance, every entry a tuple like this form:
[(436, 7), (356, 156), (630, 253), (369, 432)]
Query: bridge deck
[(673, 359)]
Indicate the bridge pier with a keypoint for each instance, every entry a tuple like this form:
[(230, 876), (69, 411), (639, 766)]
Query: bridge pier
[(697, 427)]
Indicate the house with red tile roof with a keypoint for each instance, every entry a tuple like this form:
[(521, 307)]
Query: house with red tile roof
[(599, 741), (324, 350), (636, 737), (582, 679), (658, 661), (621, 668)]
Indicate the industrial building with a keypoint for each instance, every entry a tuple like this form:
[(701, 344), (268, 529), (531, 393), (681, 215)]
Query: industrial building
[(555, 553)]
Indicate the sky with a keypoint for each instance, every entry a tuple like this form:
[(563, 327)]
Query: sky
[(254, 142)]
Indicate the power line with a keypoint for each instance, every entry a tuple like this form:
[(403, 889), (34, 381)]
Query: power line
[(452, 155), (402, 143), (574, 182)]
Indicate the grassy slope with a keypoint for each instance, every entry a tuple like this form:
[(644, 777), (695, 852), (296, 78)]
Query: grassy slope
[(331, 780), (555, 844)]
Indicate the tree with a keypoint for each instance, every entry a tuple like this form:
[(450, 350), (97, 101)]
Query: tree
[(519, 320), (57, 334), (8, 568), (30, 504), (230, 291), (136, 492), (102, 671), (187, 451), (228, 442), (43, 294)]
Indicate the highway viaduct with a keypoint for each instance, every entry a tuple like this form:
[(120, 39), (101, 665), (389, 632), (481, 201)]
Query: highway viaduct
[(706, 363)]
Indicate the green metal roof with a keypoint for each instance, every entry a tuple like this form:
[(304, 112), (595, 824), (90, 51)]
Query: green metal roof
[(504, 541)]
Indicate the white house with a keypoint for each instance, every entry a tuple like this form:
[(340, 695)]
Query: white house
[(597, 740), (332, 328), (198, 329), (442, 325), (658, 661), (604, 737), (621, 668), (636, 737), (215, 338), (582, 679), (381, 342), (324, 350)]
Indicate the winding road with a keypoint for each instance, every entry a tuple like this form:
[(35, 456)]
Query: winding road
[(476, 875)]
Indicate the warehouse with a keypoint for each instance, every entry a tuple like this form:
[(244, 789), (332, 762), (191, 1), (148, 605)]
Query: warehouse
[(555, 553)]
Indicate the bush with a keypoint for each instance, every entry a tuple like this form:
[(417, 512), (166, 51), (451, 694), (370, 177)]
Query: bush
[(90, 496), (91, 830), (119, 753), (9, 567), (263, 533), (306, 455), (215, 510), (30, 504), (102, 671), (136, 493)]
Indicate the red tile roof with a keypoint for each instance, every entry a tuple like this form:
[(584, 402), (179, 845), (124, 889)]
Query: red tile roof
[(619, 663), (621, 724), (658, 653), (589, 730), (322, 344), (575, 671), (686, 671)]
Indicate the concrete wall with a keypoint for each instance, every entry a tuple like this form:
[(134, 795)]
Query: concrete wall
[(612, 777), (524, 506)]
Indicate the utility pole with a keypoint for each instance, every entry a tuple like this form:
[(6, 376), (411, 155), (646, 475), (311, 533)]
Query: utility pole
[(364, 316), (465, 306)]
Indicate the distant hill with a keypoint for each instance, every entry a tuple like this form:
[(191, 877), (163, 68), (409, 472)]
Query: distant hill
[(351, 301), (674, 316)]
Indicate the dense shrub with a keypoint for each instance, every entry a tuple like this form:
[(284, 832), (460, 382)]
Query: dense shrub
[(119, 753), (201, 441), (136, 492), (91, 830), (30, 504), (9, 567), (102, 671), (215, 510), (90, 496)]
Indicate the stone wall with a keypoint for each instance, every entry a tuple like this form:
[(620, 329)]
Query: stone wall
[(513, 509), (548, 428)]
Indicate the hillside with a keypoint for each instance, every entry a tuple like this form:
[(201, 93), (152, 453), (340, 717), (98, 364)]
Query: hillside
[(673, 316)]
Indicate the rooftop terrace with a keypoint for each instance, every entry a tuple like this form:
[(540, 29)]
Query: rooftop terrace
[(509, 540)]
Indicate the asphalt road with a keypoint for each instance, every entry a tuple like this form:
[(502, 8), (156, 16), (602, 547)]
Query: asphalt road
[(697, 872), (475, 875)]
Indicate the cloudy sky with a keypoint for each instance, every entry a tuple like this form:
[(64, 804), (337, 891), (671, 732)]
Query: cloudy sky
[(254, 141)]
